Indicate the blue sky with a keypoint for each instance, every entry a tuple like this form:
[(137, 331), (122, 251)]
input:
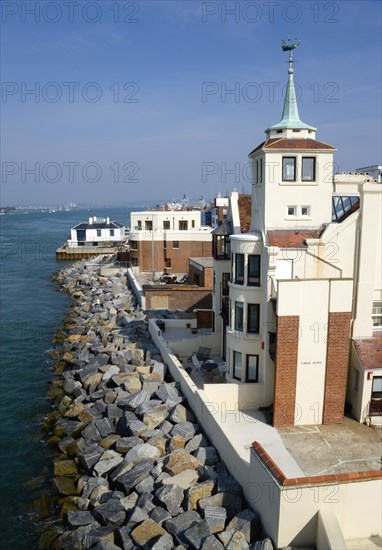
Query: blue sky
[(132, 99)]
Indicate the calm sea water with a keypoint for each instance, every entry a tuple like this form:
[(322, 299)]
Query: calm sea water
[(32, 308)]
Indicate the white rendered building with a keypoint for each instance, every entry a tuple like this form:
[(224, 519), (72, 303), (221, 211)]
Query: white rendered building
[(305, 290), (96, 232)]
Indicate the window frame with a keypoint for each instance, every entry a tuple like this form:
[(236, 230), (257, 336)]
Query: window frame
[(133, 245), (258, 276), (168, 223), (235, 355), (375, 315), (111, 232), (247, 378), (309, 180), (283, 173), (239, 318), (175, 245), (240, 281), (256, 329), (183, 225), (99, 232), (307, 211)]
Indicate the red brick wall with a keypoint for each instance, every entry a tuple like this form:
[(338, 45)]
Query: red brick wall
[(337, 359), (286, 370), (177, 256), (184, 298)]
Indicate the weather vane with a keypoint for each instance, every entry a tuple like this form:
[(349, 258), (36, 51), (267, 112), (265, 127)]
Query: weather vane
[(289, 47)]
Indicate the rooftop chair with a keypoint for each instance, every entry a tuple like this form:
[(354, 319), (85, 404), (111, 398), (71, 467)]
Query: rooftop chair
[(203, 353), (196, 363)]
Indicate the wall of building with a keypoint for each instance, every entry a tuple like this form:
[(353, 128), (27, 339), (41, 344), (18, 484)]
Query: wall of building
[(272, 196), (157, 217), (186, 298), (312, 346), (91, 235), (177, 258)]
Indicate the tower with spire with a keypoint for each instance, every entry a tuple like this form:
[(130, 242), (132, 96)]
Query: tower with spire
[(292, 170)]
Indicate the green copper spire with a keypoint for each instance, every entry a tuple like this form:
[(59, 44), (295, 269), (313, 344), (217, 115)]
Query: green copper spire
[(290, 118)]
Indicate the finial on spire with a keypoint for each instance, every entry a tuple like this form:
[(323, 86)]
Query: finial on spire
[(289, 47)]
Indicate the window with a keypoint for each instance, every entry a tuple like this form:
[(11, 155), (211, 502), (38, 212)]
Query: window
[(254, 270), (289, 169), (239, 315), (133, 245), (166, 224), (239, 269), (148, 225), (259, 171), (192, 223), (252, 374), (376, 392), (221, 247), (134, 262), (167, 262), (139, 222), (377, 315), (98, 232), (253, 318), (308, 172), (237, 368), (111, 232), (183, 225), (291, 210), (305, 210), (175, 244)]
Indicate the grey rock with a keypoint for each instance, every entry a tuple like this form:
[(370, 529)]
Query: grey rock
[(90, 457), (159, 514), (113, 411), (76, 519), (138, 473), (122, 468), (126, 443), (166, 427), (245, 522), (176, 526), (91, 434), (181, 414), (207, 455), (123, 539), (194, 443), (215, 517), (91, 484), (172, 497), (212, 543), (136, 516), (147, 406), (132, 402), (142, 452), (229, 501), (264, 544), (110, 513), (105, 545), (197, 534), (97, 535), (164, 543), (105, 427), (145, 501), (185, 430), (168, 392), (145, 486), (108, 461)]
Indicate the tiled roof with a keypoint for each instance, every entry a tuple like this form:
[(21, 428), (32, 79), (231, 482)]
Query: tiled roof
[(288, 143), (291, 238), (370, 351), (245, 212)]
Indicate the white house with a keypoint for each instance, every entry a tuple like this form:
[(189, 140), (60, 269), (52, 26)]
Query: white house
[(304, 297), (97, 232)]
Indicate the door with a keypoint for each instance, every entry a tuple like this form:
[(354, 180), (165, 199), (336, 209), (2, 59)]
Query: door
[(81, 237)]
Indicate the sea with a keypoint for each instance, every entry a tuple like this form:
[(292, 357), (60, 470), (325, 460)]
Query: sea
[(32, 308)]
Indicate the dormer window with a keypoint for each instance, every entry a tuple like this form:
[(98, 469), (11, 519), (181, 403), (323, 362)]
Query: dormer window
[(289, 169)]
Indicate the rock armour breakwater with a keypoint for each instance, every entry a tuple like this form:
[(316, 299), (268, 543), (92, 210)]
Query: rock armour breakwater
[(134, 469)]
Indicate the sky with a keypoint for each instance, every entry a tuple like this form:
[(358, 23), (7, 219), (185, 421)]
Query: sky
[(111, 102)]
